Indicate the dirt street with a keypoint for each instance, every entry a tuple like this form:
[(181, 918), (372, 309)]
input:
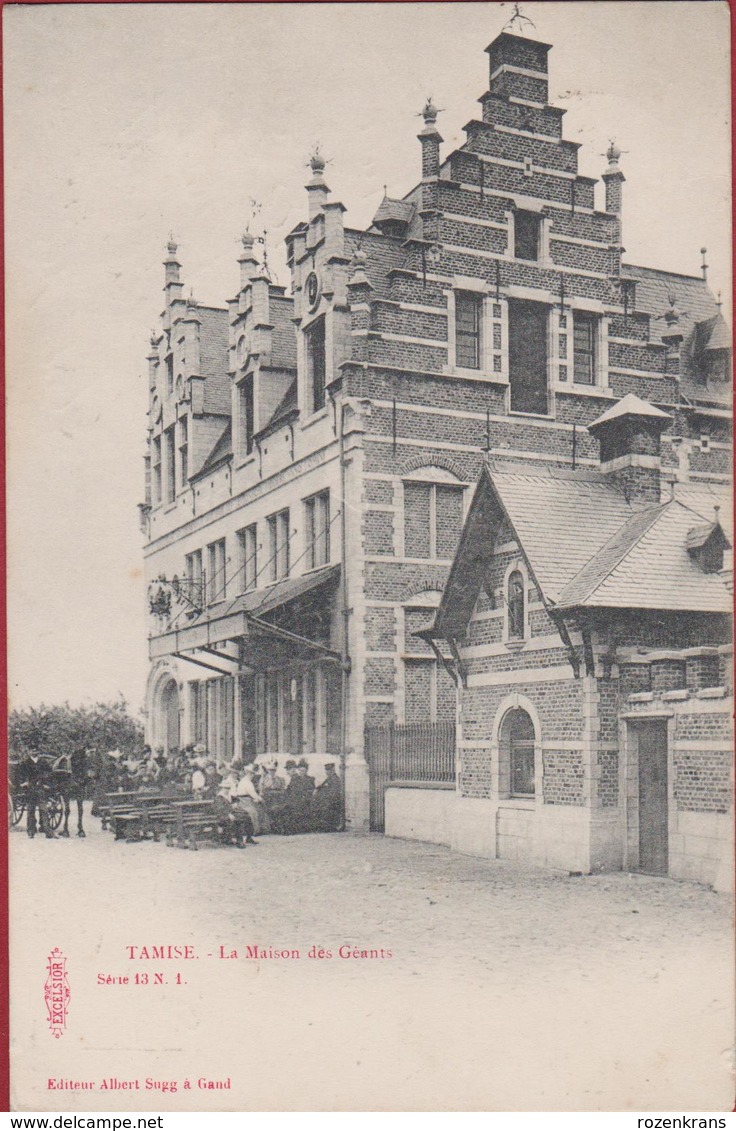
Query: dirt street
[(483, 985)]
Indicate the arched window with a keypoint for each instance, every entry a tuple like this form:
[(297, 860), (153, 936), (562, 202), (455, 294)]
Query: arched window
[(515, 604), (516, 746)]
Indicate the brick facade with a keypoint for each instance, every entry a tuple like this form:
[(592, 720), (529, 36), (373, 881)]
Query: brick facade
[(402, 431)]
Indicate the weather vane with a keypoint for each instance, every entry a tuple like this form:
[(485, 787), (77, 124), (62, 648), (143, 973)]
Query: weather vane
[(519, 17), (255, 208)]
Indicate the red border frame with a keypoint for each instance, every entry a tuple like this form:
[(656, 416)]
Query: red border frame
[(4, 933)]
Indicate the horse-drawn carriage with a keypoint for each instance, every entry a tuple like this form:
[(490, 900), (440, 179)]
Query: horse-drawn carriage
[(54, 789)]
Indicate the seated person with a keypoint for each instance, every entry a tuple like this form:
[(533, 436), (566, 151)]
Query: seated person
[(232, 821)]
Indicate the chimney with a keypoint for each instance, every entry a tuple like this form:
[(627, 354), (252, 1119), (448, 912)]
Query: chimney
[(629, 436), (614, 179), (173, 285), (518, 68), (431, 140), (317, 189)]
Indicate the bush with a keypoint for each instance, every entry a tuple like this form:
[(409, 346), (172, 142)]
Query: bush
[(63, 729)]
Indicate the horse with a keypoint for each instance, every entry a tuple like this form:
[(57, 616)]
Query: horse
[(72, 773)]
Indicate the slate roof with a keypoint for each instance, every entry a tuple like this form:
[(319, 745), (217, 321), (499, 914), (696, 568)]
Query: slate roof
[(562, 517), (701, 324), (397, 210), (221, 451), (585, 545), (655, 571)]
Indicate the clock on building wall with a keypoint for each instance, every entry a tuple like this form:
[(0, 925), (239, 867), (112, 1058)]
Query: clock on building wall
[(312, 289), (243, 349)]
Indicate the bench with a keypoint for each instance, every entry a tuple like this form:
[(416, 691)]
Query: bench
[(108, 803), (134, 822), (192, 819)]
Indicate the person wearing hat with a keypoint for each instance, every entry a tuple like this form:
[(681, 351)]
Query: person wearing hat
[(298, 796), (326, 806), (34, 774)]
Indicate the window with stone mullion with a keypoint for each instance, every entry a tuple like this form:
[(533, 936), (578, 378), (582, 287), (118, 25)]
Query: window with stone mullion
[(467, 330), (584, 349)]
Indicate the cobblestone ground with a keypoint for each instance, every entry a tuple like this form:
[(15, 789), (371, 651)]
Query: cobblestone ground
[(507, 988)]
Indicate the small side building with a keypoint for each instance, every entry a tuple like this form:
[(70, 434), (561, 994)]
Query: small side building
[(586, 624)]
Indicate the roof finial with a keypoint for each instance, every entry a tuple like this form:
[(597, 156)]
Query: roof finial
[(171, 246), (719, 301), (317, 160), (429, 112), (520, 18), (716, 511), (704, 265)]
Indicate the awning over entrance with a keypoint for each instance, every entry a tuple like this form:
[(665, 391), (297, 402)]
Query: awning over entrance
[(241, 618)]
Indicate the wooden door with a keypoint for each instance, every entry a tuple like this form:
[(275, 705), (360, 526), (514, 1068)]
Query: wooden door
[(528, 357), (653, 800)]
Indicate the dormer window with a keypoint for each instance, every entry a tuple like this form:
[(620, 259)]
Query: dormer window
[(314, 342), (706, 544), (527, 227)]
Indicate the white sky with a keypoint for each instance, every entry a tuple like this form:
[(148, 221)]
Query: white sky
[(125, 121)]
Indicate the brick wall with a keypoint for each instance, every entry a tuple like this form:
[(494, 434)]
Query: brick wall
[(563, 777), (378, 532), (380, 629), (607, 778), (380, 678), (703, 780)]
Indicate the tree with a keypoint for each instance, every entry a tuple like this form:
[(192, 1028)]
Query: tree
[(62, 729)]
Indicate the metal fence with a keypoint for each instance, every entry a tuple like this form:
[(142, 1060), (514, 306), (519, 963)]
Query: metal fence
[(420, 752)]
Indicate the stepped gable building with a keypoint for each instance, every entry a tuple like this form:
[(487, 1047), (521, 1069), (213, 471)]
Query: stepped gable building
[(488, 314), (589, 614)]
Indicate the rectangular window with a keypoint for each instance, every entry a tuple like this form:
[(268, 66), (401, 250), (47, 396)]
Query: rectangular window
[(183, 452), (314, 341), (170, 458), (198, 706), (528, 324), (317, 514), (526, 235), (170, 373), (216, 579), (584, 341), (246, 418), (433, 519), (193, 569), (278, 545), (156, 470), (248, 551), (468, 310)]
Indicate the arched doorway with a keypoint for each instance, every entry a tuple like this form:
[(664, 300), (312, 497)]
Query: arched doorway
[(170, 715)]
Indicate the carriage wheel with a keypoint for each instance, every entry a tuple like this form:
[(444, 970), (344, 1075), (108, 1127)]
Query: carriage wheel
[(16, 809), (54, 810)]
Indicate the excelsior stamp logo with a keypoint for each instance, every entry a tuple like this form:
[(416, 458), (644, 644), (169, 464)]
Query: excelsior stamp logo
[(56, 992)]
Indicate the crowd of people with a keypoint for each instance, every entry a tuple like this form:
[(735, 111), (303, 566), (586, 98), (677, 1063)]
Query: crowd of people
[(251, 798), (254, 796)]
